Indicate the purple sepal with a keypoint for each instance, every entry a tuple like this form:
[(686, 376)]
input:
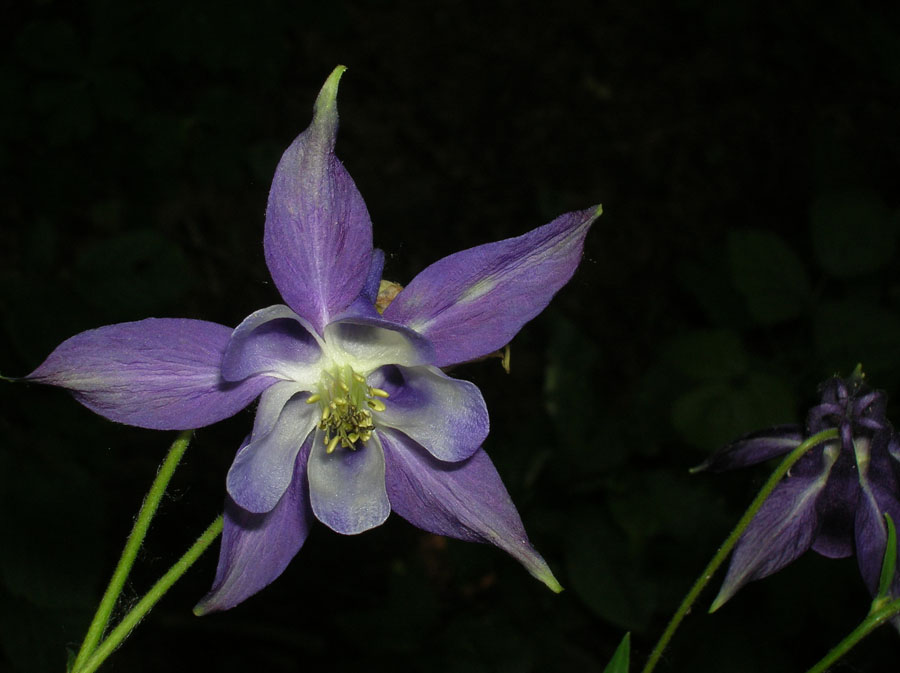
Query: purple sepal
[(364, 304), (465, 500), (473, 302), (158, 373), (446, 416), (318, 235), (781, 531), (256, 548), (754, 448), (878, 494)]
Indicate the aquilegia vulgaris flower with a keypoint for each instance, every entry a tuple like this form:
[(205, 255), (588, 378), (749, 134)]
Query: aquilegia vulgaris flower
[(833, 499), (355, 416)]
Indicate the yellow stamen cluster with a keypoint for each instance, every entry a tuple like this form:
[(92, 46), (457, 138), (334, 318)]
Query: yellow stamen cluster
[(347, 403)]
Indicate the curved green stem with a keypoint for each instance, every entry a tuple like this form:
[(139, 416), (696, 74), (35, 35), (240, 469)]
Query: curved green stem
[(138, 532), (129, 621), (869, 624), (732, 539)]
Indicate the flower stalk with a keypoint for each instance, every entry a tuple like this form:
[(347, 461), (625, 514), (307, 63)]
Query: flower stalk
[(129, 553), (731, 541), (143, 606), (872, 621)]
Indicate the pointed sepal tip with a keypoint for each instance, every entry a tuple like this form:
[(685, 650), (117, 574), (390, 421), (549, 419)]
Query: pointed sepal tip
[(325, 110)]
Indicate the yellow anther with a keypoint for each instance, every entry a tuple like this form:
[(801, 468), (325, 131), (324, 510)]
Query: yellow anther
[(332, 445), (347, 403)]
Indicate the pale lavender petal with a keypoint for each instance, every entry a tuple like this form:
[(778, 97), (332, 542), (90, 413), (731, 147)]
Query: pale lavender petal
[(473, 302), (781, 531), (273, 341), (373, 342), (318, 235), (262, 469), (271, 404), (256, 548), (346, 487), (446, 416), (465, 500), (754, 448), (158, 373)]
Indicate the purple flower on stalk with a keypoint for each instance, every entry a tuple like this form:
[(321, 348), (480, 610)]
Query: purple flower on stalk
[(355, 417), (834, 498)]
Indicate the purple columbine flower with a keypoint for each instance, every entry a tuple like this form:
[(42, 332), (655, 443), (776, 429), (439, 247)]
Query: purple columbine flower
[(833, 499), (355, 416)]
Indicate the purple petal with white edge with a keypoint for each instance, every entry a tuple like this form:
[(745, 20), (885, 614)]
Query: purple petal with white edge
[(446, 416), (781, 531), (262, 469), (373, 342), (256, 548), (273, 341), (465, 500), (318, 235), (836, 507), (754, 448), (878, 495), (473, 302), (346, 487), (158, 373)]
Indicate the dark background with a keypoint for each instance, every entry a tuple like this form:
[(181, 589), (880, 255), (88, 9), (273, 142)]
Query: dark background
[(746, 155)]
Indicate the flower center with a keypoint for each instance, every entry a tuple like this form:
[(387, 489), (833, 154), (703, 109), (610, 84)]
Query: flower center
[(347, 403)]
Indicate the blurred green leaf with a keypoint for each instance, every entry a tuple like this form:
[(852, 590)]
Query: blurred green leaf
[(852, 232), (572, 397), (648, 503), (768, 274), (715, 413), (133, 274), (707, 354), (603, 573), (848, 332), (620, 660)]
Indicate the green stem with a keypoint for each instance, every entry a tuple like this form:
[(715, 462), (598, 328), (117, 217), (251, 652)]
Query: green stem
[(138, 532), (732, 539), (129, 621), (869, 624)]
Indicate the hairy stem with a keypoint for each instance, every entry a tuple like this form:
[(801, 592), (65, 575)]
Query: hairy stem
[(138, 532), (872, 621), (729, 543), (129, 621)]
